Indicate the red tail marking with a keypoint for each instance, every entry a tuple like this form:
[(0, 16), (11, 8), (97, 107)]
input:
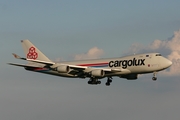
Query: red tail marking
[(32, 53)]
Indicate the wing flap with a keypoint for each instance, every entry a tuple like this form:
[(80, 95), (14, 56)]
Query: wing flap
[(114, 71), (76, 67)]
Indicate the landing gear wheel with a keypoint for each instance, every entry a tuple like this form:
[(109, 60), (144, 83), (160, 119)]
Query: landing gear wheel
[(94, 81), (110, 81), (89, 82), (154, 78), (107, 84), (98, 82)]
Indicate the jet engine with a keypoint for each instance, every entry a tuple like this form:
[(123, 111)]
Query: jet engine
[(62, 69), (98, 73)]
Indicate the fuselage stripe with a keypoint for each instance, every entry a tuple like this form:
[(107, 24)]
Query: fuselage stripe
[(40, 69), (95, 65)]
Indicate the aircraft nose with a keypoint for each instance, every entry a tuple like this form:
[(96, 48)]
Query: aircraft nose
[(168, 63)]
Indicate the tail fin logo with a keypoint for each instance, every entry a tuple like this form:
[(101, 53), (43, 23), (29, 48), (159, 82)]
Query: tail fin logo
[(32, 53)]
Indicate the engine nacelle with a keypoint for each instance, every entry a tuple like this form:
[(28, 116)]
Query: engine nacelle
[(98, 73), (62, 69)]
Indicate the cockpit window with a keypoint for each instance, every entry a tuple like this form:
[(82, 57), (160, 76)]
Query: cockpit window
[(158, 54)]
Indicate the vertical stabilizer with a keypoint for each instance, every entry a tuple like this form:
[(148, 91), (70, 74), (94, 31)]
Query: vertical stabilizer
[(32, 52)]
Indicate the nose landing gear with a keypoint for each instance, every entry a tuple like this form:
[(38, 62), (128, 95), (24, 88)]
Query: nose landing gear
[(154, 78)]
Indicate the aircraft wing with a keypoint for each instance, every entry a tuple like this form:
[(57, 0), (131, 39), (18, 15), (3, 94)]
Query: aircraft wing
[(74, 67), (76, 70), (122, 71), (81, 70)]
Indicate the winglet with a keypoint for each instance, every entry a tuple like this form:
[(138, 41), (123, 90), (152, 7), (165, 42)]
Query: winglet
[(18, 57)]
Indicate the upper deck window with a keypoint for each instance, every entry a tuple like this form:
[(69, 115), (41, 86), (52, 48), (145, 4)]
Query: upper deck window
[(158, 54)]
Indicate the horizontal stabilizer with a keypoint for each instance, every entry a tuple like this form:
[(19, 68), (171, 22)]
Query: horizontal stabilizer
[(32, 60), (17, 56), (23, 65)]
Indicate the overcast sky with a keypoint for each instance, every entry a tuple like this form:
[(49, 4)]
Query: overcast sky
[(80, 29)]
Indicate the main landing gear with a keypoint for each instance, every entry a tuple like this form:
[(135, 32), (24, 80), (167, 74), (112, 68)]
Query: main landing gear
[(94, 81), (109, 80), (154, 78)]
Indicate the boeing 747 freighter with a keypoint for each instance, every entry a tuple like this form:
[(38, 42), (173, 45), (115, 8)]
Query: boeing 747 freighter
[(124, 67)]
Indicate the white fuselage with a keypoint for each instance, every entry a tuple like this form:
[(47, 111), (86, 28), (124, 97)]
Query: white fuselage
[(135, 64)]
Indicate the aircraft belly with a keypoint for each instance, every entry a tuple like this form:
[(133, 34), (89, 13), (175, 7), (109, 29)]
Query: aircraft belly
[(145, 69), (115, 74)]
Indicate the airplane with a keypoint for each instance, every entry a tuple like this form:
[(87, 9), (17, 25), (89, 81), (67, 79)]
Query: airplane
[(127, 67)]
